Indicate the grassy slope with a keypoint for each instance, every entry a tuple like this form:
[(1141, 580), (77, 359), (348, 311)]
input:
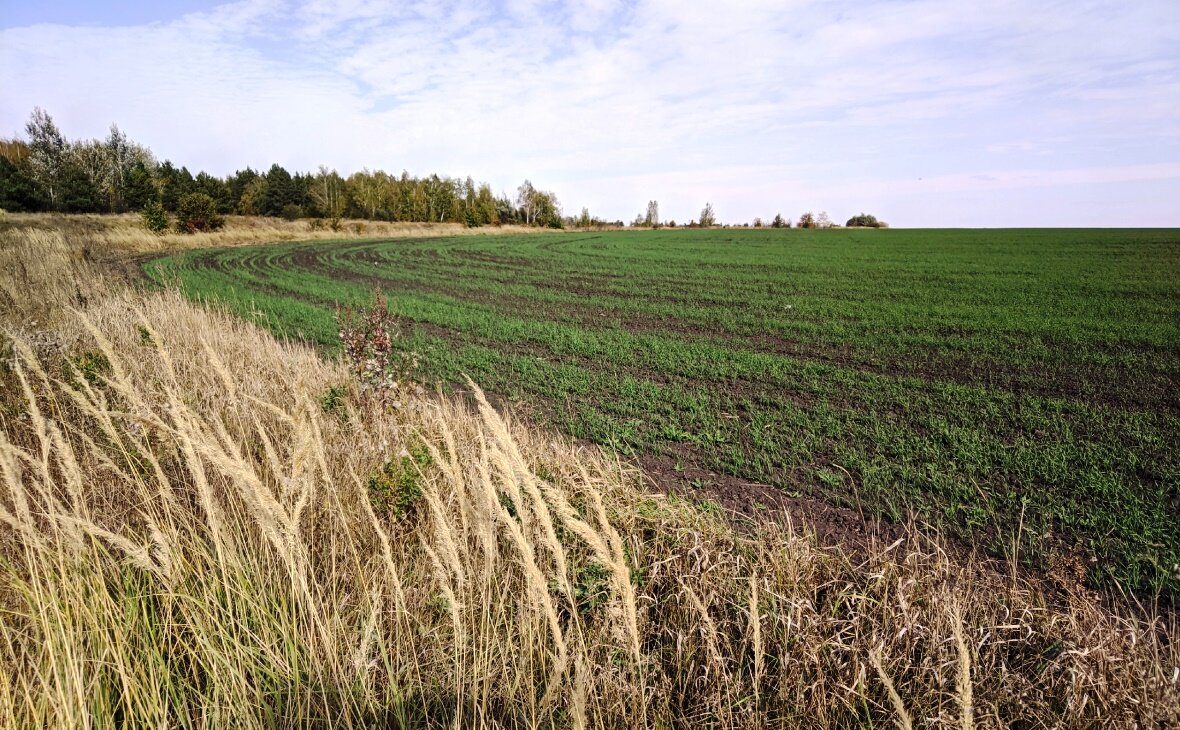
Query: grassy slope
[(989, 382)]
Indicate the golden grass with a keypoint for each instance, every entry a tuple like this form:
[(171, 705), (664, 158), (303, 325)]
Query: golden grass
[(125, 234), (188, 533), (49, 262), (41, 272)]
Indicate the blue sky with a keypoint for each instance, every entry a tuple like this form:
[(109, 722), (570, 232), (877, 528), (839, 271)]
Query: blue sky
[(924, 112)]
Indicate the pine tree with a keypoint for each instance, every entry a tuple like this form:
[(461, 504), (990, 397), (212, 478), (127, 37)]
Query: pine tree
[(139, 189), (18, 192), (76, 191), (279, 192)]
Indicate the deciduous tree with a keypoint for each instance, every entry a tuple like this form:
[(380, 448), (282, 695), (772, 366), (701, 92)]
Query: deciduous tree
[(708, 218), (328, 193), (47, 154), (526, 200)]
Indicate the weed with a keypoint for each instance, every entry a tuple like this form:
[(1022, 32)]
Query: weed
[(145, 336), (396, 486), (592, 587), (334, 401), (90, 366)]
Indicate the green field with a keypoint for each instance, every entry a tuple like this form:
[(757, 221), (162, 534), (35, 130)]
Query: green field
[(999, 385)]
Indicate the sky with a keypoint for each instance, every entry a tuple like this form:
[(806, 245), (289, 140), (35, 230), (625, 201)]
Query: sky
[(926, 113)]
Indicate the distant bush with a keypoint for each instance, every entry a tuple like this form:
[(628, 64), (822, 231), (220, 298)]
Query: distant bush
[(810, 220), (197, 212), (292, 212), (708, 218), (154, 218), (864, 220)]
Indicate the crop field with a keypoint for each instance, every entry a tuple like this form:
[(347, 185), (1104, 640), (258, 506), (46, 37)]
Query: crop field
[(1017, 390)]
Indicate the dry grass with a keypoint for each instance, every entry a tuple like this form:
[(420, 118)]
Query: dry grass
[(125, 233), (49, 262), (42, 272), (200, 525), (188, 533)]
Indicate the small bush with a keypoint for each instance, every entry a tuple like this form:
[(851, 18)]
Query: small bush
[(315, 224), (197, 212), (864, 220), (369, 341), (154, 218), (396, 486), (292, 212)]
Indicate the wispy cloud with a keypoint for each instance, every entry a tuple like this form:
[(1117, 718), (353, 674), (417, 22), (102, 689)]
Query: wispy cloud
[(755, 106)]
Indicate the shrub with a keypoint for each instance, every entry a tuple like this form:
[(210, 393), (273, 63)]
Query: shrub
[(807, 220), (864, 220), (197, 212), (154, 218), (369, 340), (292, 212)]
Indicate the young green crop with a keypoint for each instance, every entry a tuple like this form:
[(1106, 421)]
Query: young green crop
[(1014, 388)]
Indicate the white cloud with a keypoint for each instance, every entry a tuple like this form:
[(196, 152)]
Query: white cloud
[(757, 106)]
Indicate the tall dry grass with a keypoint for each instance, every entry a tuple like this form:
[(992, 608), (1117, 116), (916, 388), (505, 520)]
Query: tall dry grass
[(42, 272), (203, 526), (125, 233)]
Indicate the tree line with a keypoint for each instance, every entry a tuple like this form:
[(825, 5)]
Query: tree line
[(708, 219), (47, 172)]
